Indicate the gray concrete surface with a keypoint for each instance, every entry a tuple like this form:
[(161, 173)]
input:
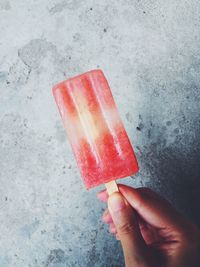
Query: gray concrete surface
[(150, 53)]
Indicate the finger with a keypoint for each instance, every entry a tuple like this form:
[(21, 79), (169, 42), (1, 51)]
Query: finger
[(103, 196), (154, 209), (124, 218), (107, 217)]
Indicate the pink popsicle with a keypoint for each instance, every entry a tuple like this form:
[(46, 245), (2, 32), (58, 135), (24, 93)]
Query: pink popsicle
[(94, 128)]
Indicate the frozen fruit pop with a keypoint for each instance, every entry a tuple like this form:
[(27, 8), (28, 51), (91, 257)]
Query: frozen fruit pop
[(94, 128)]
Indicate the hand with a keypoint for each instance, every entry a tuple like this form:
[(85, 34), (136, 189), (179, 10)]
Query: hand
[(151, 231)]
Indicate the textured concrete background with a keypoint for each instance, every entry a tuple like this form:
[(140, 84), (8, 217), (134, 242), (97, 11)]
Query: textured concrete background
[(150, 53)]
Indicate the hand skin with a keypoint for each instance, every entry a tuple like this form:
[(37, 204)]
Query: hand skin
[(151, 231)]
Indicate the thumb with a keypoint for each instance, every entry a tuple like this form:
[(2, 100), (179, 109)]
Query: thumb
[(125, 220)]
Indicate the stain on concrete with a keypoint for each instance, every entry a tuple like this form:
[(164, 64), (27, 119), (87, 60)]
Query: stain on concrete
[(129, 117), (140, 127), (140, 124), (34, 52), (37, 52), (5, 5), (55, 256), (18, 74), (66, 4)]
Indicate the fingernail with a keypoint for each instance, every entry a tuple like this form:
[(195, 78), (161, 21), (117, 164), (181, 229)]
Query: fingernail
[(116, 202)]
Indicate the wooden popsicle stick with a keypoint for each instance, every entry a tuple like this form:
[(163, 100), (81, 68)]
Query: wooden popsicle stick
[(111, 187)]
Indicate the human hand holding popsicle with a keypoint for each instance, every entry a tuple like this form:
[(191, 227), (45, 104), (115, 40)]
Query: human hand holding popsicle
[(152, 232)]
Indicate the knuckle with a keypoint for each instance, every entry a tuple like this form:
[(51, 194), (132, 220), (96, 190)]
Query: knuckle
[(127, 228)]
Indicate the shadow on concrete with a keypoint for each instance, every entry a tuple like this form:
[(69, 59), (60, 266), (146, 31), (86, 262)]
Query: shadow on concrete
[(175, 173)]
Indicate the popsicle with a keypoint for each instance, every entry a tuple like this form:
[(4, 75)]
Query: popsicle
[(99, 141)]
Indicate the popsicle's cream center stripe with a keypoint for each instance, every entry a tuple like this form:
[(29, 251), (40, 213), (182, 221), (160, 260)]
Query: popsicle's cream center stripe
[(88, 130)]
